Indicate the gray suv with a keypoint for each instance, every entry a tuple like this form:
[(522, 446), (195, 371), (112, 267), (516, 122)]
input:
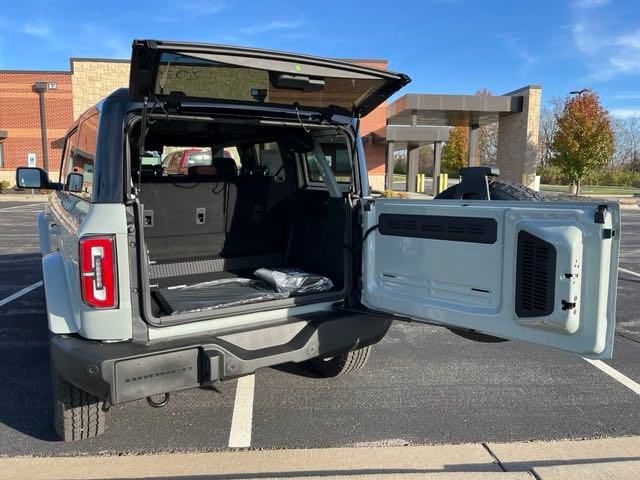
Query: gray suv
[(276, 250)]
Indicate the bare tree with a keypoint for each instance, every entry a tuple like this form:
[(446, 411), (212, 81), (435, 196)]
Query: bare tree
[(626, 132), (548, 128), (487, 151)]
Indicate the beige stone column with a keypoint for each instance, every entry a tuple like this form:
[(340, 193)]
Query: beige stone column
[(518, 138)]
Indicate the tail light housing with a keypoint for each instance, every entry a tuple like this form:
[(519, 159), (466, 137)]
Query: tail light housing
[(98, 274)]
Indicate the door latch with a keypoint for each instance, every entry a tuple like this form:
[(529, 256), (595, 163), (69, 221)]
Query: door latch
[(599, 215)]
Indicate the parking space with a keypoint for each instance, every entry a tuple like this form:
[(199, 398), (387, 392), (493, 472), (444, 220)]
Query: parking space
[(422, 385)]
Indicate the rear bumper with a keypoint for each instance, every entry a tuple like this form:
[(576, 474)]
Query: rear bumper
[(121, 372)]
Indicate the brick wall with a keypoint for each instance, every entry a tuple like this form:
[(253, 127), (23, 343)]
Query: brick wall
[(89, 81), (20, 117), (377, 119)]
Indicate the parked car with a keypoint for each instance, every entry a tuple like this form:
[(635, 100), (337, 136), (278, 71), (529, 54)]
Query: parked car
[(178, 162), (156, 284)]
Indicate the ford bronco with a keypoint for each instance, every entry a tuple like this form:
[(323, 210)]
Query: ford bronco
[(273, 248)]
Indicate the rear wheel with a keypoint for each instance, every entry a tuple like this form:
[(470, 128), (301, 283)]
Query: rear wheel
[(78, 415), (341, 364), (500, 190)]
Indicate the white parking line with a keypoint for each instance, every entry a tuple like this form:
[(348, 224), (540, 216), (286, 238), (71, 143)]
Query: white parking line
[(613, 373), (21, 206), (20, 293), (242, 420), (629, 272)]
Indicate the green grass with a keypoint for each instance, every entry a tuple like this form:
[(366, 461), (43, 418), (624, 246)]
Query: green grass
[(399, 177), (593, 189)]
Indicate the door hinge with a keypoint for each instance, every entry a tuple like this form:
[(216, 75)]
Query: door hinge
[(599, 215), (608, 233)]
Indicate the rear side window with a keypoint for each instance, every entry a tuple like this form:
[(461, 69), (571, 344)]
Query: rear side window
[(336, 154), (269, 158), (85, 152), (67, 157)]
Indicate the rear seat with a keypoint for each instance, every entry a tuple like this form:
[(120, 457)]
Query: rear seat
[(184, 216), (213, 213)]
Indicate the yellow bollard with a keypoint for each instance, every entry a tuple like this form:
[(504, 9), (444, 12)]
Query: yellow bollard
[(443, 181)]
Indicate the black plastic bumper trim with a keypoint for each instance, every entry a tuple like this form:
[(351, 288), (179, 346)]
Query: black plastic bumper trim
[(122, 372)]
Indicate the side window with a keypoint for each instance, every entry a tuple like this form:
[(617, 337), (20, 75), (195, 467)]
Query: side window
[(70, 146), (167, 160), (269, 157), (174, 163), (85, 152), (203, 157), (336, 154)]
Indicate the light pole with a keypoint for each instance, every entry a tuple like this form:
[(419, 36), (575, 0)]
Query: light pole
[(40, 88), (579, 92)]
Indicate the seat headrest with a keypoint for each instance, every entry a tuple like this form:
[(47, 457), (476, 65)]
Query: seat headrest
[(271, 159), (226, 167), (202, 170), (151, 170)]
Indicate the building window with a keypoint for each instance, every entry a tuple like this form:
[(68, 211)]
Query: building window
[(1, 155)]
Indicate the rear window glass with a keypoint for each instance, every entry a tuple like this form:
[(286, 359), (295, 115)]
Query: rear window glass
[(270, 159), (336, 154), (199, 158), (233, 78)]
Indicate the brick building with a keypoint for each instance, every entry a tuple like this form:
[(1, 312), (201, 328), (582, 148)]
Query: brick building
[(87, 81), (20, 132)]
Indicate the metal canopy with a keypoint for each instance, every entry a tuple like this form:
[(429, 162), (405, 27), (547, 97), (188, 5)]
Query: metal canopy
[(402, 136), (451, 110)]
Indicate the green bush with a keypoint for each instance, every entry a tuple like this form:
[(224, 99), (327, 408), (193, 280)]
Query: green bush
[(4, 185), (552, 175), (400, 167)]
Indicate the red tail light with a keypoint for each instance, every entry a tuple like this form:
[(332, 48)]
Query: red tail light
[(98, 271)]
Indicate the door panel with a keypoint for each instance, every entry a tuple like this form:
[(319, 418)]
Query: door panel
[(545, 273)]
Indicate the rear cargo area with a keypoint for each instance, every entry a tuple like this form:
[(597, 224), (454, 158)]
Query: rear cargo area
[(208, 231)]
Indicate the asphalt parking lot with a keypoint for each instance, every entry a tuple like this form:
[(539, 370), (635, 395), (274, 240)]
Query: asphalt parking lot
[(422, 384)]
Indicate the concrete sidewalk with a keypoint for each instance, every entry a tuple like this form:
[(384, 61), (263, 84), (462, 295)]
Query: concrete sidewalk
[(616, 458)]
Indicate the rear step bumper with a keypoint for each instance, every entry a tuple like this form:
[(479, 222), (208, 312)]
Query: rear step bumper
[(121, 372)]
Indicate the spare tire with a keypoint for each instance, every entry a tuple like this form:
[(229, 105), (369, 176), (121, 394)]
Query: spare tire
[(499, 190)]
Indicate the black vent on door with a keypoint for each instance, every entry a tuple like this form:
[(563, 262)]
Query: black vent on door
[(535, 276), (439, 227)]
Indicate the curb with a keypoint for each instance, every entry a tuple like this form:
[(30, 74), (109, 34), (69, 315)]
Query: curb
[(613, 458)]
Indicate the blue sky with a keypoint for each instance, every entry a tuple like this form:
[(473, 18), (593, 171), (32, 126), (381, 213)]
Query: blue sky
[(446, 46)]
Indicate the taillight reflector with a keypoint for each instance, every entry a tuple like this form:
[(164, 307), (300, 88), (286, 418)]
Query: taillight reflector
[(98, 271)]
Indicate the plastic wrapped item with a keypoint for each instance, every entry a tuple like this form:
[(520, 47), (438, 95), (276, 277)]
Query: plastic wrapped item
[(294, 281), (227, 292)]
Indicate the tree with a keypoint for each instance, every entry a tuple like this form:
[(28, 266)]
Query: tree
[(454, 153), (584, 139), (487, 151), (548, 128), (626, 134)]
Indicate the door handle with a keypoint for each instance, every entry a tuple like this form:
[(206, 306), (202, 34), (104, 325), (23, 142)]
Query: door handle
[(53, 225)]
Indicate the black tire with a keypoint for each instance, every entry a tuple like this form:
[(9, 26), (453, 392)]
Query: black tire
[(341, 364), (77, 414), (500, 190)]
